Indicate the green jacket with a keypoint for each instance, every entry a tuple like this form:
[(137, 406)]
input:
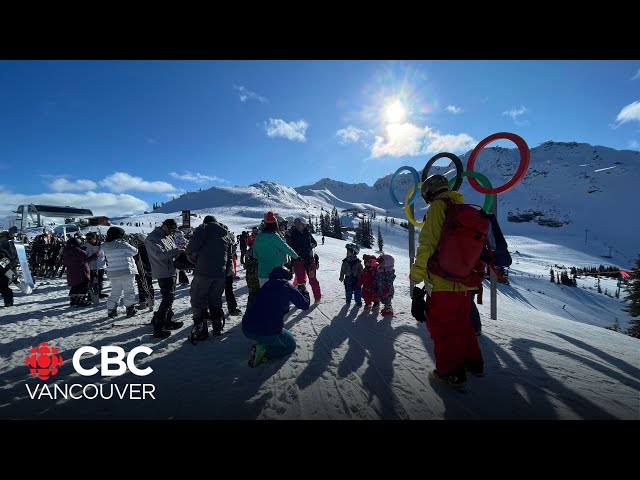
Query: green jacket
[(268, 249)]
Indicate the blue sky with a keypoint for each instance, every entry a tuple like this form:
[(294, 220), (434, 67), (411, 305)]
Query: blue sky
[(116, 136)]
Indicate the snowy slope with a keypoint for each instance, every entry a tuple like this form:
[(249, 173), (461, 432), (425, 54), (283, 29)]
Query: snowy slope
[(571, 192), (543, 361)]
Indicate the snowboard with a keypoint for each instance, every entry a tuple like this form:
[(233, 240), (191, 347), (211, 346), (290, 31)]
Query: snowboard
[(93, 289), (24, 281)]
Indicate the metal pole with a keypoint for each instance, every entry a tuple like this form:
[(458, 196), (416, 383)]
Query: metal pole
[(412, 245), (492, 276)]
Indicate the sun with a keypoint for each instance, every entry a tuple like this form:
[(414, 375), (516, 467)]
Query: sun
[(395, 112)]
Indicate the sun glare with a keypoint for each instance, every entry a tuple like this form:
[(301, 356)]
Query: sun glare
[(395, 112)]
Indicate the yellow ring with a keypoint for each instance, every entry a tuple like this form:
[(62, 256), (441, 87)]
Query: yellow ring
[(406, 207)]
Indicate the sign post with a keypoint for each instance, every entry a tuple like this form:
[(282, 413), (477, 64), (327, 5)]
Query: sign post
[(186, 219)]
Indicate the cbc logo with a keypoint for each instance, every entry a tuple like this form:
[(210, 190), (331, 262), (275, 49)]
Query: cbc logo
[(117, 361), (43, 361)]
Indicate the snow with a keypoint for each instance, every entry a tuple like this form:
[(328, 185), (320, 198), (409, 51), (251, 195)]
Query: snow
[(543, 361), (547, 356)]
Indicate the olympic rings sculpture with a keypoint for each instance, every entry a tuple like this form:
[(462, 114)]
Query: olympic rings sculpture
[(478, 181)]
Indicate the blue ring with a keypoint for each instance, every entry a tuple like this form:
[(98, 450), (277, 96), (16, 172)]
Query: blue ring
[(416, 178)]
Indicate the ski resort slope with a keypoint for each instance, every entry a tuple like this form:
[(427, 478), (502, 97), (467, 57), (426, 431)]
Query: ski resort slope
[(547, 356)]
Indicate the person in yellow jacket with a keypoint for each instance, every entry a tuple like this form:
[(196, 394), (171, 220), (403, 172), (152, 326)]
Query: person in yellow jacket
[(448, 303)]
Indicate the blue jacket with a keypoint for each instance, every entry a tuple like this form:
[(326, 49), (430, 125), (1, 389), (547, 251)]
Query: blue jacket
[(265, 315)]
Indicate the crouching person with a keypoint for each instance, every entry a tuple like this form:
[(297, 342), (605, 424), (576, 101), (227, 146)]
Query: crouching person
[(264, 318)]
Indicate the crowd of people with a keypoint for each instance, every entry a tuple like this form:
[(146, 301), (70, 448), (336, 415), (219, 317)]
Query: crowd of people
[(279, 259)]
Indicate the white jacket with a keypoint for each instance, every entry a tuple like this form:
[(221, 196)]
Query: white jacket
[(120, 258), (97, 263)]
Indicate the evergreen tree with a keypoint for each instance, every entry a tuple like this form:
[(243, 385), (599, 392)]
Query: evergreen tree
[(615, 327), (370, 238), (380, 240), (336, 226), (325, 224), (358, 236), (634, 328), (633, 290)]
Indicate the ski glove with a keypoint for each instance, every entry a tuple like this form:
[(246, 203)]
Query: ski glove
[(419, 306)]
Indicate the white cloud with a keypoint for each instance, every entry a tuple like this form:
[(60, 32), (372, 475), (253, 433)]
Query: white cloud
[(122, 182), (350, 134), (629, 113), (248, 95), (453, 109), (151, 141), (102, 203), (64, 185), (634, 145), (293, 130), (438, 142), (514, 113), (197, 177), (409, 139), (636, 76)]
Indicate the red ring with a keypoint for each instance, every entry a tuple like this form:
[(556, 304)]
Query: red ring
[(523, 148)]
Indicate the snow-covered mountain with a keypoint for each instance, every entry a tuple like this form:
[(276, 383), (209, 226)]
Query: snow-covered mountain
[(571, 190), (547, 355)]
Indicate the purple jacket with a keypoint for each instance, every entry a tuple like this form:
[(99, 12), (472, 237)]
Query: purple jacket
[(77, 263)]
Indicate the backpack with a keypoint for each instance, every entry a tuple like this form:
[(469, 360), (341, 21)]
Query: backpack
[(463, 250)]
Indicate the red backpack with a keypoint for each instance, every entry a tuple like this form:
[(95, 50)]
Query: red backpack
[(462, 242)]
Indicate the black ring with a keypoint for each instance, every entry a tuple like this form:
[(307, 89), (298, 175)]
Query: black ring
[(455, 159)]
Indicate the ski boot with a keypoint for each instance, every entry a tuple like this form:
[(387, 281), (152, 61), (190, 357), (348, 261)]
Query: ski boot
[(257, 354), (199, 330), (457, 382), (131, 310)]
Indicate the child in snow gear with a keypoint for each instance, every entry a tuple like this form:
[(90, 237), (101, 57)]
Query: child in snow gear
[(385, 276), (264, 318), (122, 270), (367, 281), (448, 298), (350, 274)]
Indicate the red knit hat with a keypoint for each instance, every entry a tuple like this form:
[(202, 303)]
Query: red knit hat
[(270, 217)]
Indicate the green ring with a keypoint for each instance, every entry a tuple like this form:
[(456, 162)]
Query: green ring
[(484, 181)]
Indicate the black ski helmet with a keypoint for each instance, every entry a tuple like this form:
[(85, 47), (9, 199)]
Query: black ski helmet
[(432, 186)]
